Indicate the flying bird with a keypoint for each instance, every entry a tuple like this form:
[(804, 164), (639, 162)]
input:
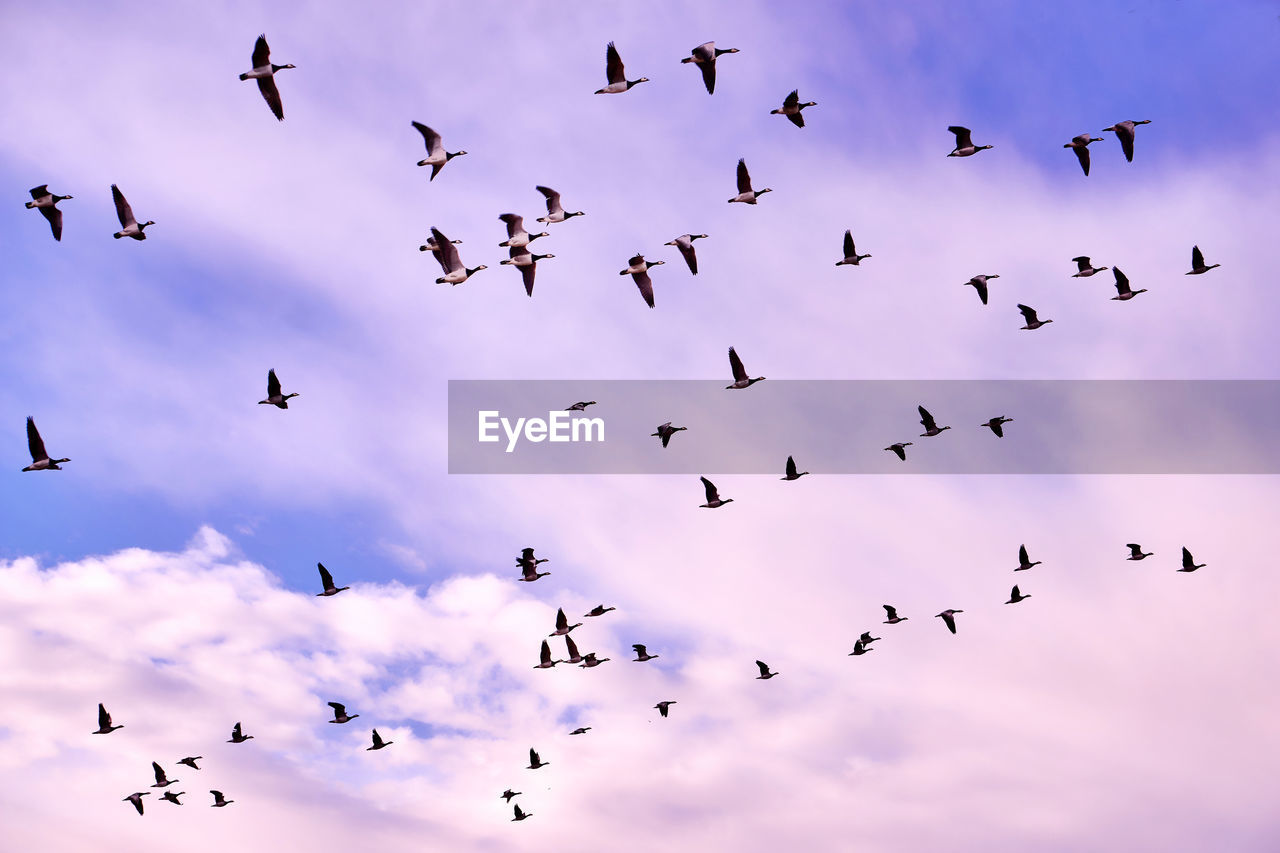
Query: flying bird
[(665, 431), (791, 108), (1123, 291), (949, 617), (572, 648), (713, 496), (765, 674), (599, 610), (740, 379), (979, 283), (664, 705), (1188, 562), (685, 244), (555, 212), (639, 270), (47, 203), (642, 653), (219, 800), (455, 271), (590, 660), (1135, 552), (1124, 132), (580, 406), (1080, 144), (436, 251), (704, 56), (520, 813), (1084, 268), (378, 742), (529, 564), (931, 427), (436, 157), (1029, 314), (900, 448), (527, 262), (129, 226), (190, 761), (340, 714), (617, 75), (866, 639), (161, 780), (1197, 261), (534, 761), (996, 425), (859, 648), (1024, 562), (545, 661), (172, 796), (792, 473), (136, 799), (746, 195), (562, 624), (238, 736), (274, 397), (891, 614), (517, 236), (1016, 596), (104, 722), (40, 460), (327, 580), (851, 255), (581, 730), (508, 794), (964, 144), (264, 72)]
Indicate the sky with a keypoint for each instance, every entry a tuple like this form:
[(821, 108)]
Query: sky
[(169, 570)]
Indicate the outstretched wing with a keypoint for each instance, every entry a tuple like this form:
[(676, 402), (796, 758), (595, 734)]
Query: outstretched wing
[(790, 102), (339, 709), (791, 466), (1028, 313), (712, 493), (797, 118), (744, 177), (432, 139), (515, 223), (54, 216), (890, 612), (926, 419), (261, 53), (40, 192), (123, 212), (764, 667), (1197, 259), (1122, 280), (553, 200), (613, 65), (1082, 154), (449, 258), (735, 364), (708, 67), (36, 445), (690, 256), (963, 139), (267, 86), (273, 384), (646, 286), (325, 577), (849, 249)]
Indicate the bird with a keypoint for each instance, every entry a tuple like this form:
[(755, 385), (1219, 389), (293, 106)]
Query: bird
[(274, 397), (964, 144), (436, 157), (791, 108), (1123, 292), (866, 639), (979, 283), (900, 448), (1197, 260), (931, 427), (642, 653), (765, 674), (639, 270), (1029, 314), (526, 554), (136, 799), (520, 813), (517, 236), (1124, 132), (685, 244), (40, 460), (161, 780), (851, 255), (1024, 562), (590, 660), (746, 195), (47, 203), (190, 761), (664, 705), (562, 624), (129, 226), (1081, 146), (378, 742), (172, 796), (581, 730), (219, 800), (949, 617), (792, 473), (545, 661), (859, 648), (529, 567), (1084, 267), (264, 72), (599, 610), (580, 406), (327, 580), (455, 271), (996, 425), (665, 431), (572, 648), (1016, 596), (508, 794), (704, 56), (436, 251), (104, 722), (534, 761), (340, 714), (555, 213), (237, 736), (713, 496), (527, 262), (740, 379), (892, 615), (1188, 562), (616, 74), (1135, 552)]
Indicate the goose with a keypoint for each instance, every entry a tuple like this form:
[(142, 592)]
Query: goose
[(219, 800), (964, 144), (580, 730), (949, 617), (792, 473), (892, 615), (136, 799), (713, 496), (264, 72), (555, 213), (434, 248), (274, 397), (436, 157), (1197, 260), (589, 660), (639, 270), (931, 427), (545, 661), (47, 203), (161, 780), (1029, 314), (979, 283), (40, 460), (327, 580), (599, 610), (851, 255), (1081, 146), (996, 425), (866, 639), (665, 431), (685, 244), (129, 226), (617, 75), (765, 674), (1084, 268), (520, 813), (340, 714), (238, 736), (859, 648), (580, 406), (1123, 292), (740, 379), (378, 742), (746, 195), (508, 794), (664, 705), (527, 262), (172, 796), (190, 761), (455, 271), (1124, 132), (900, 448), (1135, 552), (529, 571), (572, 647), (1188, 563), (517, 236), (1024, 562), (1016, 596), (562, 624), (526, 554), (791, 108), (642, 653), (104, 722), (704, 56)]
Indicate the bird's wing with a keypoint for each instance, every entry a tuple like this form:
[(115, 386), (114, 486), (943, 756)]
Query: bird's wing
[(797, 119), (325, 577), (849, 249), (273, 384), (639, 648), (791, 101), (533, 756), (235, 730), (963, 139), (338, 708), (1022, 554), (744, 177), (561, 621), (449, 258), (764, 667), (926, 419), (545, 654), (267, 86), (1028, 313), (40, 192), (705, 52), (1122, 280), (791, 466), (432, 139), (708, 67), (889, 610), (712, 494), (261, 53), (571, 646), (1187, 559), (951, 622), (1082, 154), (735, 364), (377, 739), (515, 223), (690, 256), (36, 445), (553, 200), (900, 451), (104, 719), (55, 220), (1125, 134), (1197, 259), (527, 273), (160, 780), (646, 286), (1082, 263), (123, 211), (613, 65), (980, 286)]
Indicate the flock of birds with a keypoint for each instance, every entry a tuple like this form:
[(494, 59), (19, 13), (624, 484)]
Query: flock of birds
[(518, 242)]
